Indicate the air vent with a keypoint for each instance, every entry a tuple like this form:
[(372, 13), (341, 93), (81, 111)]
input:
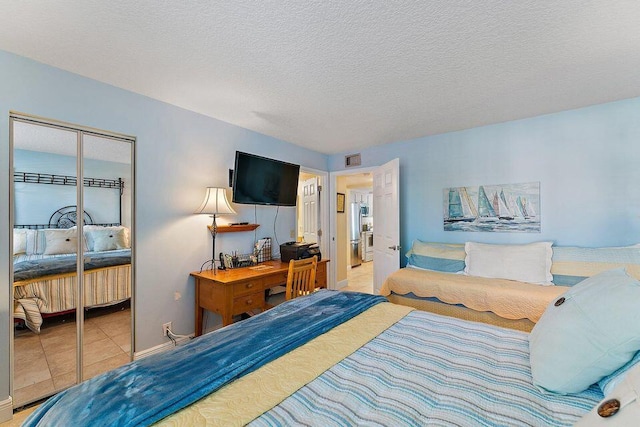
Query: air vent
[(352, 160)]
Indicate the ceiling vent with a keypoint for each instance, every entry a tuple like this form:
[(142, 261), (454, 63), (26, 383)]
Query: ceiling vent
[(352, 160)]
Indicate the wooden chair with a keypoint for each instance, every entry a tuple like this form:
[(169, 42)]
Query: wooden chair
[(301, 278)]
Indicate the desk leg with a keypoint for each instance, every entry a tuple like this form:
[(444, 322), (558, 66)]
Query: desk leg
[(198, 312), (227, 318)]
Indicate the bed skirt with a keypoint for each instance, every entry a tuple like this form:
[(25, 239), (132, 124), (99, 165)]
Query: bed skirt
[(56, 294), (462, 312)]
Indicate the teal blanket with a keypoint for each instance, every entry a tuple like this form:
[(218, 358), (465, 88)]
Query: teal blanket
[(147, 390)]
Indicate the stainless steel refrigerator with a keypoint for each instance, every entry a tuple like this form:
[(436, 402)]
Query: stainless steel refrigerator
[(355, 227)]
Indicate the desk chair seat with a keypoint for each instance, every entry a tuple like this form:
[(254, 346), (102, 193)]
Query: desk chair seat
[(301, 278)]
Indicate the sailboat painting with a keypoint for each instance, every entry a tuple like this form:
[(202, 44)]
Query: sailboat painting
[(493, 208)]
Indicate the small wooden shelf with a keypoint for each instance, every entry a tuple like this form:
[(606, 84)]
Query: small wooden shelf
[(234, 228)]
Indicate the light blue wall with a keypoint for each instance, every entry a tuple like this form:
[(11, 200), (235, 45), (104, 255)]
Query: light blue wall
[(178, 154), (586, 160)]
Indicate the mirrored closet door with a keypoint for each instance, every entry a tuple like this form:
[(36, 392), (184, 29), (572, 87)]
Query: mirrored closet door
[(72, 217)]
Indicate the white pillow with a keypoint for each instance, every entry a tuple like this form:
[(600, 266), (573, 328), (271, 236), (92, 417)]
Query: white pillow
[(609, 382), (89, 235), (60, 241), (109, 239), (20, 240), (627, 393), (526, 263)]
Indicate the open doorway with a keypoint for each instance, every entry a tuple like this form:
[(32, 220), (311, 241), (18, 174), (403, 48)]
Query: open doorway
[(356, 231), (385, 223)]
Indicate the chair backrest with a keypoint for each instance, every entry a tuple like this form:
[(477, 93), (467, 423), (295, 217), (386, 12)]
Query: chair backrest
[(301, 278)]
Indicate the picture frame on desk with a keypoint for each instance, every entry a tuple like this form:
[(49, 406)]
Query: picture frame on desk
[(340, 202)]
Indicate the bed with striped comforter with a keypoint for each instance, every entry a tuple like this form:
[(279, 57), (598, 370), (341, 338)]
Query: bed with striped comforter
[(395, 366), (389, 365), (46, 284), (429, 369)]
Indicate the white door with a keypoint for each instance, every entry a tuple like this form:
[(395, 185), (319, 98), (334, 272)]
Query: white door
[(386, 229), (310, 209)]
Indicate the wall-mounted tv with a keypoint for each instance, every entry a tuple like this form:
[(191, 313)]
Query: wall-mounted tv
[(261, 181)]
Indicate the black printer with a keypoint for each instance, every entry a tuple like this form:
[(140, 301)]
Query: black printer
[(295, 250)]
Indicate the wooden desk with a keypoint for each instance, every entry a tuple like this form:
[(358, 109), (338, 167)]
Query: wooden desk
[(235, 291)]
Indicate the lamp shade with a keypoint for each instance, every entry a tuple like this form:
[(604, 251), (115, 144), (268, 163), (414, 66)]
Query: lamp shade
[(215, 202)]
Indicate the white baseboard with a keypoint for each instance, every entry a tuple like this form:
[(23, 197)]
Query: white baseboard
[(6, 409), (159, 348), (342, 284)]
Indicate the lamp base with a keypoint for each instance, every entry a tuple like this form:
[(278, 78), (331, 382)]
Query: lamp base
[(214, 231)]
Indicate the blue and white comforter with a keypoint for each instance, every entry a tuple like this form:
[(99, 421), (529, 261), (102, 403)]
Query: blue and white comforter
[(432, 370)]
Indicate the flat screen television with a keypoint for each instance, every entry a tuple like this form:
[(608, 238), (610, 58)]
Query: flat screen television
[(261, 181)]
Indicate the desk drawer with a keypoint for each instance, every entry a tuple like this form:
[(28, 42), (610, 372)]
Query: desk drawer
[(248, 287), (248, 302), (275, 280)]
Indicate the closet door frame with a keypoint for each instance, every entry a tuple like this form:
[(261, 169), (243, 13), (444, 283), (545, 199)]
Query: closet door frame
[(80, 131)]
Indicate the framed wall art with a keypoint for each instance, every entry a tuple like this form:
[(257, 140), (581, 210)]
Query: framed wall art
[(340, 202), (493, 208)]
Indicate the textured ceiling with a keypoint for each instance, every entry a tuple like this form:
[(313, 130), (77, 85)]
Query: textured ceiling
[(337, 75)]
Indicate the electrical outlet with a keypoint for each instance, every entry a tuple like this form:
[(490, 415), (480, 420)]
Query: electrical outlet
[(292, 233), (165, 328)]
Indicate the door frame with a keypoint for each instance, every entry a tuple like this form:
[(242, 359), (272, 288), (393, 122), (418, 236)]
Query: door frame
[(325, 249), (333, 178)]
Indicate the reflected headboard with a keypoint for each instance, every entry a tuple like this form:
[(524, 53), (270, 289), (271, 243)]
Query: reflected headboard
[(65, 217)]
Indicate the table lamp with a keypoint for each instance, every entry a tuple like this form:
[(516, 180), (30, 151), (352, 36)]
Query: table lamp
[(215, 203)]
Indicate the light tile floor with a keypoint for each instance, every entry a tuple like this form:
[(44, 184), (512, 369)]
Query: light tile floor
[(45, 363), (360, 278)]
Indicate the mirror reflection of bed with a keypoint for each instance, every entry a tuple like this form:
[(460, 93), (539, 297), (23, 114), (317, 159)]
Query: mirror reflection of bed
[(45, 237)]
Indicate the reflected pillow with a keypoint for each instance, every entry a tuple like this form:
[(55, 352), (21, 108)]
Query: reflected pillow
[(89, 235), (60, 241), (108, 239), (36, 242), (589, 332), (20, 240)]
